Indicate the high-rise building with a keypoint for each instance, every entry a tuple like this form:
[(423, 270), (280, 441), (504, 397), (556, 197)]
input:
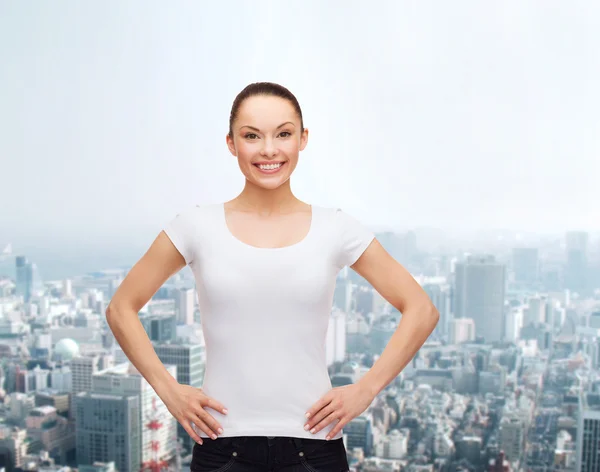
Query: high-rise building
[(462, 330), (535, 312), (185, 305), (335, 344), (576, 260), (108, 428), (82, 370), (124, 379), (160, 328), (480, 288), (525, 265), (513, 324), (588, 433), (342, 297), (512, 437), (358, 433), (24, 277), (594, 320)]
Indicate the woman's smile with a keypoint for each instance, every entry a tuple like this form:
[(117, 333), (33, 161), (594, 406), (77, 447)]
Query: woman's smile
[(272, 168)]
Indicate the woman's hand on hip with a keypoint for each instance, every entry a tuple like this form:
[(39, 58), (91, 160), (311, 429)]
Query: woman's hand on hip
[(187, 403), (340, 403)]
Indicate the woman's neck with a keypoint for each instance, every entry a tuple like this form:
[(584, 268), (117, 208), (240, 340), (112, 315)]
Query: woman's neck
[(265, 201)]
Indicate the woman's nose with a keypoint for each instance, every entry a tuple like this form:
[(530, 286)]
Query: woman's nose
[(269, 148)]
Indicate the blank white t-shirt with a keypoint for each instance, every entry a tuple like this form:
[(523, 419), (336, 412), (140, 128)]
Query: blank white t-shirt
[(265, 314)]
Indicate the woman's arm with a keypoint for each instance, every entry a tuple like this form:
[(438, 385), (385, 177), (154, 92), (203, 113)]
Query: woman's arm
[(419, 316), (185, 403), (155, 267)]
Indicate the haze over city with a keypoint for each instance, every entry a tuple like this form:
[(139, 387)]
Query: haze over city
[(465, 135), (463, 116)]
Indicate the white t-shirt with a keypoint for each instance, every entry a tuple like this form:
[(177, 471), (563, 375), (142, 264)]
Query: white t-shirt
[(265, 314)]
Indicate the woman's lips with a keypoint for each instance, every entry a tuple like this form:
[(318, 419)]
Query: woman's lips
[(270, 171)]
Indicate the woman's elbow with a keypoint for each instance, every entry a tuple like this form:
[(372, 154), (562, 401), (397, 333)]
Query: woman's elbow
[(434, 314)]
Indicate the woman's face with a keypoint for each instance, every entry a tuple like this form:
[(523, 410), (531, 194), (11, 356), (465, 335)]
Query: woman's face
[(267, 133)]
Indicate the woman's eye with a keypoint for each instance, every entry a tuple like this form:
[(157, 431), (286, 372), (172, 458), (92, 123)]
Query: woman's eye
[(249, 135), (285, 132)]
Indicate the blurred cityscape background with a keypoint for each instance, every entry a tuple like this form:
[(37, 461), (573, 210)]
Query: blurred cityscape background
[(465, 134), (509, 380)]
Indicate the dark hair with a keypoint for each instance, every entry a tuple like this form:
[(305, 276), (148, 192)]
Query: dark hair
[(263, 88)]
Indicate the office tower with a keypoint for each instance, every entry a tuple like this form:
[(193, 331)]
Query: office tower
[(512, 436), (335, 345), (588, 432), (82, 370), (513, 324), (160, 328), (359, 433), (462, 330), (535, 312), (469, 448), (184, 303), (108, 428), (24, 277), (525, 265), (365, 300), (480, 287), (125, 380), (342, 296), (594, 320), (48, 431), (55, 398), (576, 260), (67, 288)]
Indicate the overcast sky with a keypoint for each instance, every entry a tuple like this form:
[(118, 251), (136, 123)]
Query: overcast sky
[(471, 115)]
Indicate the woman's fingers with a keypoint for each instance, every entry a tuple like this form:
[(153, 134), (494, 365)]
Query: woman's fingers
[(187, 425), (200, 423), (211, 423), (214, 404), (318, 421), (210, 420)]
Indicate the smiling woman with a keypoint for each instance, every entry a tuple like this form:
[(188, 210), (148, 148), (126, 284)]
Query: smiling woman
[(265, 265), (266, 134)]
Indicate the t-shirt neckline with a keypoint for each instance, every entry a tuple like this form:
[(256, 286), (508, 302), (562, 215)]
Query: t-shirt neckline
[(311, 230)]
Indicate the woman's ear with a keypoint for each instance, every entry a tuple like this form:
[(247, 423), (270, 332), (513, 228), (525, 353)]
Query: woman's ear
[(304, 139), (230, 145)]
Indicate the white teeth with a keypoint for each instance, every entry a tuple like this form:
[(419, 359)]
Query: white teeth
[(270, 166)]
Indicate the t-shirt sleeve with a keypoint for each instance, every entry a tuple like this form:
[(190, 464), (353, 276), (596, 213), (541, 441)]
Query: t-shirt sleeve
[(353, 238), (180, 231)]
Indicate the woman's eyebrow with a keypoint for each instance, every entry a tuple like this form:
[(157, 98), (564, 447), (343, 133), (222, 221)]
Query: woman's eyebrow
[(256, 129)]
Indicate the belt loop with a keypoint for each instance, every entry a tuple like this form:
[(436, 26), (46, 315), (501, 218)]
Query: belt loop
[(298, 443)]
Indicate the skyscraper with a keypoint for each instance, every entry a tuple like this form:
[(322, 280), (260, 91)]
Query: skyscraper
[(24, 277), (461, 330), (576, 260), (480, 287), (525, 265), (588, 433), (108, 428), (185, 305)]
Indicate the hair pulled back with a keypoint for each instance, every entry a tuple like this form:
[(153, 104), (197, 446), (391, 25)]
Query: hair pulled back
[(263, 88)]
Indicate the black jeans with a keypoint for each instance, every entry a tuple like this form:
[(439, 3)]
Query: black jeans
[(269, 454)]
